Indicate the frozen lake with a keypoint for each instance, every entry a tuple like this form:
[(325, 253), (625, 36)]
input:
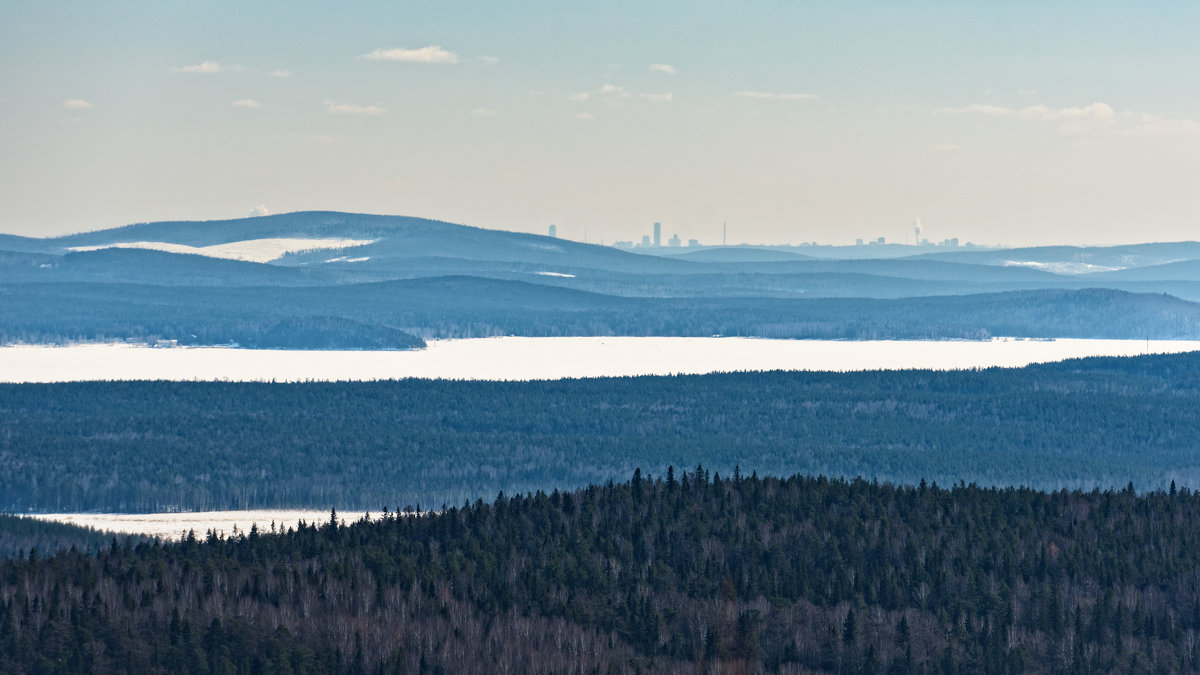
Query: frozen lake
[(173, 525), (522, 358), (506, 358)]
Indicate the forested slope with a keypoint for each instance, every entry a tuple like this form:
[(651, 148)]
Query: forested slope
[(356, 281), (465, 306), (150, 446), (675, 573), (23, 535)]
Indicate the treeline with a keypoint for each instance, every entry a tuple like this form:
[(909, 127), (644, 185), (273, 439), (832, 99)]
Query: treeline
[(455, 307), (682, 572), (22, 535), (142, 266), (155, 446), (188, 329)]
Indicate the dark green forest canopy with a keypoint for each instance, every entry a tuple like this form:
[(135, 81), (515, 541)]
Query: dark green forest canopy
[(680, 572), (20, 535), (388, 314), (151, 446)]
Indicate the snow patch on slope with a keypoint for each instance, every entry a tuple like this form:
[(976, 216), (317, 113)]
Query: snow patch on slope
[(1062, 267), (250, 250), (545, 247)]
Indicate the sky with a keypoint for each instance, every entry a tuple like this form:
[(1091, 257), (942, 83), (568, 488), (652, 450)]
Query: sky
[(1014, 123)]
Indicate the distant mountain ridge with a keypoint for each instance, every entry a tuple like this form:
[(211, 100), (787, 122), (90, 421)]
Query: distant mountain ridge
[(315, 224), (365, 281), (1121, 256), (395, 237), (464, 306)]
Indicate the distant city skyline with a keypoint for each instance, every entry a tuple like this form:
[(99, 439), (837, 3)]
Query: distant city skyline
[(1015, 123), (654, 240)]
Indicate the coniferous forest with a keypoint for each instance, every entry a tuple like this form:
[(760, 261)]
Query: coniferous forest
[(156, 446), (21, 534), (682, 572), (656, 188)]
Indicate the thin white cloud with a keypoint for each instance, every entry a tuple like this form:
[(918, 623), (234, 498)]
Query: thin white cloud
[(483, 112), (430, 54), (947, 147), (205, 67), (1145, 124), (259, 211), (657, 98), (664, 68), (981, 108), (77, 104), (280, 73), (614, 96), (1076, 120), (313, 138), (773, 96), (614, 91), (335, 108), (1081, 120), (490, 60), (247, 103), (585, 116), (1092, 120)]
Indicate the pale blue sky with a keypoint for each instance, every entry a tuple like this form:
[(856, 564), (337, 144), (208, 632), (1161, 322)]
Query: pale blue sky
[(1004, 122)]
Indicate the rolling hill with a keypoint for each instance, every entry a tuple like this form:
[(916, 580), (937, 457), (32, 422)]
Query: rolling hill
[(331, 276)]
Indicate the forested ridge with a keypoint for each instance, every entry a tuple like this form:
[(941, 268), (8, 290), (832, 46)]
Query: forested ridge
[(400, 277), (466, 306), (21, 534), (682, 572), (155, 446)]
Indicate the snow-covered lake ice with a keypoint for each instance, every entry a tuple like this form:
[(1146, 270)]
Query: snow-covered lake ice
[(522, 358), (505, 358)]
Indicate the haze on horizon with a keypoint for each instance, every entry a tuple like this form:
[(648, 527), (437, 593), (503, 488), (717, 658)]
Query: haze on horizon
[(1016, 123)]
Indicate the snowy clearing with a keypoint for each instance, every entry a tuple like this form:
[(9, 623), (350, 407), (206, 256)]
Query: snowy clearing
[(250, 250), (1062, 267)]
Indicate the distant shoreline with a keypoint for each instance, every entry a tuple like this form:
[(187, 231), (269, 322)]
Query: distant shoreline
[(525, 358)]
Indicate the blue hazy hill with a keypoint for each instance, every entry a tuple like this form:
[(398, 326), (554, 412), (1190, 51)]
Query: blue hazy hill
[(394, 238), (1123, 256), (417, 276), (382, 314), (1181, 270), (739, 254), (144, 266)]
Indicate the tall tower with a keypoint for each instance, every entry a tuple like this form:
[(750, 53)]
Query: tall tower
[(658, 234), (553, 230)]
